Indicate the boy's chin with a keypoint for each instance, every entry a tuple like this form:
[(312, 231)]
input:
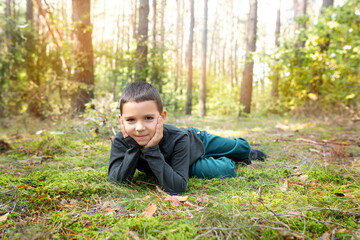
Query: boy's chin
[(142, 143)]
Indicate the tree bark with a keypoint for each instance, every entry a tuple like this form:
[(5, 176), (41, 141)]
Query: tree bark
[(296, 14), (84, 71), (177, 45), (247, 81), (162, 33), (275, 85), (202, 100), (190, 53), (142, 37), (154, 25), (327, 3), (29, 11)]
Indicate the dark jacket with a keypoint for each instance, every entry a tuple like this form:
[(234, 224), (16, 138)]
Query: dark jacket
[(169, 161)]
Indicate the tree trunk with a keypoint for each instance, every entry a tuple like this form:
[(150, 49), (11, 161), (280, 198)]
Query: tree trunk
[(181, 60), (327, 3), (202, 100), (84, 71), (247, 81), (190, 53), (29, 11), (162, 33), (142, 37), (177, 45), (133, 24), (275, 85), (296, 14), (154, 27)]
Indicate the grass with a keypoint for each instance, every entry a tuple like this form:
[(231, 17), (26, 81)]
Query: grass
[(54, 185)]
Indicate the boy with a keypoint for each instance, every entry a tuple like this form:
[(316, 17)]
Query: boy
[(169, 153)]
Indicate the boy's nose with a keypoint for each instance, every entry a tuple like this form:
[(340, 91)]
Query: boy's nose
[(140, 126)]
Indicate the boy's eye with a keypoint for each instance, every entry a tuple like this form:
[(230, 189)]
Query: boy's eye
[(149, 118), (130, 120)]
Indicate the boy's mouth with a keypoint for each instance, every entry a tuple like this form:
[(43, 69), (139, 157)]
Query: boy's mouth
[(142, 136)]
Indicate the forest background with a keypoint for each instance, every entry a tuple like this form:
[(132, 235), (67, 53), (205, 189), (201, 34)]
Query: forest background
[(215, 58)]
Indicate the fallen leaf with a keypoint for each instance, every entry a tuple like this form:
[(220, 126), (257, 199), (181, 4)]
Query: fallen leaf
[(44, 197), (4, 217), (178, 198), (284, 187), (146, 198), (189, 204), (151, 209), (303, 178)]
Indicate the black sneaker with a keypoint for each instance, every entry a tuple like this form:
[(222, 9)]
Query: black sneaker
[(257, 155)]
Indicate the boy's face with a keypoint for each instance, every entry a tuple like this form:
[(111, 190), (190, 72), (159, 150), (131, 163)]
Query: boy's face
[(140, 120)]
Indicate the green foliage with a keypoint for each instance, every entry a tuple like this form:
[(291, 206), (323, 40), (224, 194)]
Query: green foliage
[(325, 72)]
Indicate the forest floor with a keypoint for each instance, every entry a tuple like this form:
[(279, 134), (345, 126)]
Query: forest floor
[(53, 184)]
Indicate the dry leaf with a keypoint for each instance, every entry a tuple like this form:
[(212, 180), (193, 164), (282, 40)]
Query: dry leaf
[(189, 204), (177, 198), (303, 178), (4, 217), (44, 196), (174, 202), (151, 209), (284, 187), (146, 198)]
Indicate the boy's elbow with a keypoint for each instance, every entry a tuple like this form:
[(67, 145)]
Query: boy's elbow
[(177, 188)]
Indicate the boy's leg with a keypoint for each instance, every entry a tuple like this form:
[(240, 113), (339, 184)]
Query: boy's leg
[(237, 149), (209, 167)]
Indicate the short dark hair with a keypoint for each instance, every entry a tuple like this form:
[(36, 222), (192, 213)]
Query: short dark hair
[(140, 92)]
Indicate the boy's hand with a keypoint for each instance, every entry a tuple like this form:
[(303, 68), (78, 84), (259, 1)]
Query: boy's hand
[(159, 133), (122, 126)]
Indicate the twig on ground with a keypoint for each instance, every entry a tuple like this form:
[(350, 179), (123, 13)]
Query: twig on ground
[(260, 190), (11, 199), (8, 191), (204, 234), (333, 234), (275, 215)]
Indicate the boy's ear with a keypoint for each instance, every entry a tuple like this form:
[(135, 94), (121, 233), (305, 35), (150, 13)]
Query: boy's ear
[(163, 115), (119, 116)]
